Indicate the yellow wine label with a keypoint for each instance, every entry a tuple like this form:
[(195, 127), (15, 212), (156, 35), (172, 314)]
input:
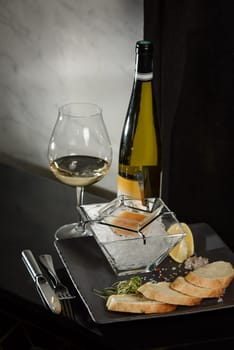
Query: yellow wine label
[(128, 187)]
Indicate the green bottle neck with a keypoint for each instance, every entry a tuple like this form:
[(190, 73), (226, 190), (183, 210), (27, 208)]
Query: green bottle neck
[(144, 66)]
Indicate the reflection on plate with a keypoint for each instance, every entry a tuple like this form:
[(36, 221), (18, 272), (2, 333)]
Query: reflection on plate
[(89, 270)]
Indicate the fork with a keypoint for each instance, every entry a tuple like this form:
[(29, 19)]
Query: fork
[(61, 290)]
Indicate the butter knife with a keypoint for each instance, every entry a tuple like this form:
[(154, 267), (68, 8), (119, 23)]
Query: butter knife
[(44, 289)]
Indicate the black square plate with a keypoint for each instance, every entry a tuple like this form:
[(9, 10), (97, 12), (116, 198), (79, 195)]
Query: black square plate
[(89, 270)]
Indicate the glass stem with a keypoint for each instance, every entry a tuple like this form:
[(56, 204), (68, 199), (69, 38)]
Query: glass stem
[(79, 202)]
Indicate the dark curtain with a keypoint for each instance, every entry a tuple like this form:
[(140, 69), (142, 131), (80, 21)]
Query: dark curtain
[(194, 60)]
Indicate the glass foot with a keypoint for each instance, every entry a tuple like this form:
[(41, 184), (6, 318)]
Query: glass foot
[(73, 231)]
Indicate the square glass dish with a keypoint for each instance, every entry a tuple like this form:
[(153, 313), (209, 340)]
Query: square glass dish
[(134, 237)]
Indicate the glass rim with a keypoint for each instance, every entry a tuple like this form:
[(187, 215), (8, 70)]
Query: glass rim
[(94, 110)]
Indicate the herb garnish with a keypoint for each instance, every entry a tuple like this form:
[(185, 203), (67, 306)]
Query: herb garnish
[(129, 286)]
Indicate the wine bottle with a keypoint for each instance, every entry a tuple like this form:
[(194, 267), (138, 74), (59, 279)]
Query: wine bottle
[(139, 173)]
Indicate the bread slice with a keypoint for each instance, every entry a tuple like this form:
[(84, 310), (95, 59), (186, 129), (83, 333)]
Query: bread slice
[(161, 291), (135, 303), (181, 285), (218, 274)]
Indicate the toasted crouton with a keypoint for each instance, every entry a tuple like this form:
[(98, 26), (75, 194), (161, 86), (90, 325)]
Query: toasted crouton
[(161, 291), (181, 285), (136, 304), (218, 274)]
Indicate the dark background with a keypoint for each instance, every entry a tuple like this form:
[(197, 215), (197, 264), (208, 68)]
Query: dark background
[(194, 47)]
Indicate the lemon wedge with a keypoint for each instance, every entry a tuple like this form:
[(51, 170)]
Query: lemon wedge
[(185, 248)]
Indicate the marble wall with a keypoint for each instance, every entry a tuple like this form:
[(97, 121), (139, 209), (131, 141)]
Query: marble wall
[(58, 51)]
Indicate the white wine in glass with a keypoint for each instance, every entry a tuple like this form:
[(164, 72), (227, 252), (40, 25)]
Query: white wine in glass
[(79, 154)]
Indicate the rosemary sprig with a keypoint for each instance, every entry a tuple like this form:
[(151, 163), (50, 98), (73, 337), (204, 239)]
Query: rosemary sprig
[(128, 286)]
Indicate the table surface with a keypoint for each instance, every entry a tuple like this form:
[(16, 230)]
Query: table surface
[(32, 208)]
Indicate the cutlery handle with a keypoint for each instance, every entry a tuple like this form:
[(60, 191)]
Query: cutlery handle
[(31, 264), (47, 261), (44, 289)]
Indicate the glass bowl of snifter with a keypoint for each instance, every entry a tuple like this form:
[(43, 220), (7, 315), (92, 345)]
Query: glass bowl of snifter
[(135, 238)]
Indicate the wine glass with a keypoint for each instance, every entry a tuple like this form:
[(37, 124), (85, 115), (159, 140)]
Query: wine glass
[(79, 154)]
